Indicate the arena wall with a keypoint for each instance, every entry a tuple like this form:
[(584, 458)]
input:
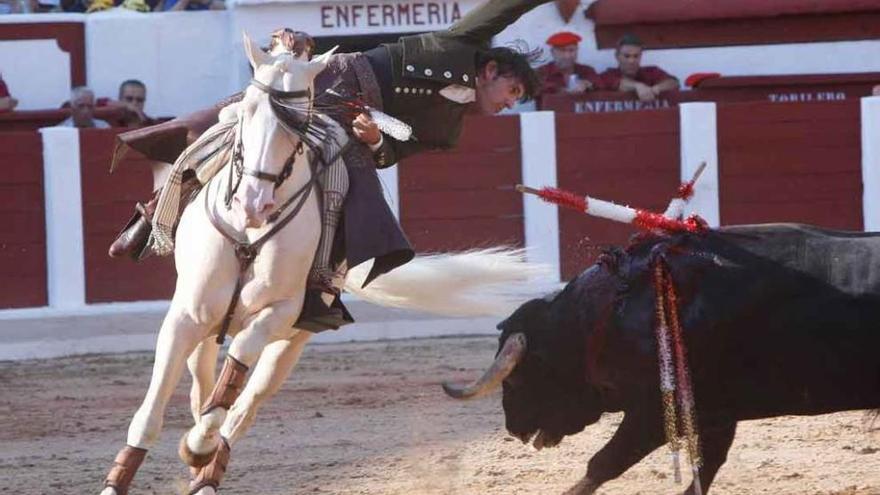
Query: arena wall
[(107, 203), (793, 162), (465, 198), (22, 215)]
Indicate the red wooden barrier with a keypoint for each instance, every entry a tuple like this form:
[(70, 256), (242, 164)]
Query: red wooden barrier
[(623, 157), (108, 202), (790, 162), (23, 217), (34, 119), (464, 198)]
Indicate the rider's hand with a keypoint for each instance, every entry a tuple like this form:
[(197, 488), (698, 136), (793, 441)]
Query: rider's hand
[(366, 130)]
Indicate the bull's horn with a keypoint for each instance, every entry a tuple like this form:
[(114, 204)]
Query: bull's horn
[(510, 355)]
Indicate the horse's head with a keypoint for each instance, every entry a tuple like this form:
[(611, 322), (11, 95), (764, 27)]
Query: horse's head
[(273, 116)]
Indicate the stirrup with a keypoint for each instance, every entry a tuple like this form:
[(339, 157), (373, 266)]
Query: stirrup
[(317, 315), (321, 279)]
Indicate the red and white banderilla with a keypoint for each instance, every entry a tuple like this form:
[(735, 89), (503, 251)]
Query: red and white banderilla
[(643, 219)]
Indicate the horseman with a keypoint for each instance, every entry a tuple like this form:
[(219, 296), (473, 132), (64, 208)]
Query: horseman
[(428, 81)]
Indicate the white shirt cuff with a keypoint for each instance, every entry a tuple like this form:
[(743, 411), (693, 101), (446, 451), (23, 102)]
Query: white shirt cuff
[(374, 147)]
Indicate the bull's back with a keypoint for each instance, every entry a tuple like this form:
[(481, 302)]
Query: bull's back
[(847, 261)]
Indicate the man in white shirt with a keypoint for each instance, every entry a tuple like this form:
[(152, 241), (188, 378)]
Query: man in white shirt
[(82, 110)]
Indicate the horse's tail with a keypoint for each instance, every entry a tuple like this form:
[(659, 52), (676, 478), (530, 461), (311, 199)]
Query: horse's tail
[(484, 282)]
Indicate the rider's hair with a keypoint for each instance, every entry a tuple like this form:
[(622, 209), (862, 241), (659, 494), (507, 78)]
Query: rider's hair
[(514, 61), (629, 39), (292, 41)]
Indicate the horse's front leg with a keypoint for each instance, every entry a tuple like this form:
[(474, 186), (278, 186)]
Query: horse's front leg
[(202, 364), (179, 335), (274, 366), (203, 446)]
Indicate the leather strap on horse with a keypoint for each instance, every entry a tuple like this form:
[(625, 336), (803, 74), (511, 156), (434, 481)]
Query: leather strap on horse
[(246, 253), (126, 464)]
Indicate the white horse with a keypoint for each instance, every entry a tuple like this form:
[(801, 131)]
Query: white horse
[(272, 284)]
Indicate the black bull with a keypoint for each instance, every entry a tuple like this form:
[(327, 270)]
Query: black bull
[(777, 319)]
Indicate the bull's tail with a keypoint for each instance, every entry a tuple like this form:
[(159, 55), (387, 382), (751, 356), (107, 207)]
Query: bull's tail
[(484, 282)]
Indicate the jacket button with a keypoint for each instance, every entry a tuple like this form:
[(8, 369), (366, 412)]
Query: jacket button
[(397, 89), (406, 90), (429, 72), (447, 75), (428, 91), (410, 68), (464, 77)]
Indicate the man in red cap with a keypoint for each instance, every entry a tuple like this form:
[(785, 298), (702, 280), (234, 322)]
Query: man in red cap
[(647, 82), (564, 74)]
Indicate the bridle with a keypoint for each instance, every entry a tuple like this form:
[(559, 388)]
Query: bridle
[(237, 161)]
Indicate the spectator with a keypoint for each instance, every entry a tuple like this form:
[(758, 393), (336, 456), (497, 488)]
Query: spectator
[(168, 5), (7, 102), (75, 5), (564, 74), (629, 76), (82, 110), (132, 97)]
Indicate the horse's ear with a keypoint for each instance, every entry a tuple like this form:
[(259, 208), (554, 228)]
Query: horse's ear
[(255, 55), (318, 63)]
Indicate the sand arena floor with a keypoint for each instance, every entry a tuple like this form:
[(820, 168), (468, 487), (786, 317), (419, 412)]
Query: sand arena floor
[(371, 419)]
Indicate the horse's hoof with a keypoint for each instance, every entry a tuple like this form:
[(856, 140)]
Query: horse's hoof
[(189, 457), (209, 477), (108, 491)]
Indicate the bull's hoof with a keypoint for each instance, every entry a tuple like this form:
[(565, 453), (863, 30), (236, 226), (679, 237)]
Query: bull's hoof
[(190, 458), (583, 487)]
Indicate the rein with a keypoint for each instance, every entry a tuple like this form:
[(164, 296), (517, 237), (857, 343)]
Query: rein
[(246, 252)]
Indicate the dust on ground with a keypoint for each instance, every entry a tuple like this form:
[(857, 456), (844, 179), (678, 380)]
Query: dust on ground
[(371, 419)]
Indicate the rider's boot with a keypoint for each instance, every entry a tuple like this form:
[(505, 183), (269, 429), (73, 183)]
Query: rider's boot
[(321, 308), (133, 239)]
